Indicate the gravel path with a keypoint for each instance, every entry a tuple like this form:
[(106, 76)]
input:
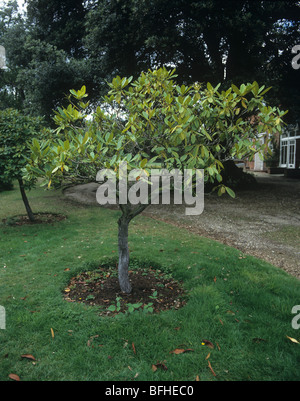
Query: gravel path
[(264, 222)]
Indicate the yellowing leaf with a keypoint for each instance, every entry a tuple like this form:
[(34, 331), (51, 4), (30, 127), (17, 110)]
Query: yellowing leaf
[(52, 333), (293, 340)]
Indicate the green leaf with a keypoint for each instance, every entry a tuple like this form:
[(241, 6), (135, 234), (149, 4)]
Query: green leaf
[(209, 86), (236, 89), (230, 192), (265, 91), (109, 137), (143, 163)]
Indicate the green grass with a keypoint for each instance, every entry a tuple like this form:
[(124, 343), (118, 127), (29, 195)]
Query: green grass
[(239, 303)]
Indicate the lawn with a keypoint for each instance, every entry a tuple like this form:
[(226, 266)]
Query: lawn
[(234, 326)]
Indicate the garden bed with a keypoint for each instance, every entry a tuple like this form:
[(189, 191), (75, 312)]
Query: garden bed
[(40, 218), (152, 291)]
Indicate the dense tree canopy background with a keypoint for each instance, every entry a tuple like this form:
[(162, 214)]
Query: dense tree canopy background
[(59, 45)]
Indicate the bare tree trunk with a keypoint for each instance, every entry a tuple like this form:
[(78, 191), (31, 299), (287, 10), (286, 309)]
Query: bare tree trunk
[(128, 213), (123, 254), (25, 200)]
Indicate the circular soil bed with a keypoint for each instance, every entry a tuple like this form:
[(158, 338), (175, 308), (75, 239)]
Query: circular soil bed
[(40, 218), (152, 291)]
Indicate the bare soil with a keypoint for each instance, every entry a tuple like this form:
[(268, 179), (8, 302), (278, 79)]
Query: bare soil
[(152, 291), (263, 222), (40, 218)]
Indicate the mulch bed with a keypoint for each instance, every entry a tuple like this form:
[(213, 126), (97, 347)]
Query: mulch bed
[(150, 288), (40, 218)]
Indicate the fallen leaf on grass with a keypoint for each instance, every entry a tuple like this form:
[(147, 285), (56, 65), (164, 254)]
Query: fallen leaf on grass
[(181, 351), (14, 377), (133, 347), (52, 333), (258, 340), (28, 356), (208, 343), (211, 369), (293, 340), (159, 365)]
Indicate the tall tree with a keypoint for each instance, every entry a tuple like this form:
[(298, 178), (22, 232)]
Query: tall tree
[(39, 73), (209, 40), (59, 23)]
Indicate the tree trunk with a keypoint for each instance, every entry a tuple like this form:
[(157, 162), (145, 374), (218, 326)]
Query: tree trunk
[(123, 254), (25, 200), (128, 213)]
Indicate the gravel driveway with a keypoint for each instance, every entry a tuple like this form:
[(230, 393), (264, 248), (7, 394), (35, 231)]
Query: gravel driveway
[(263, 222)]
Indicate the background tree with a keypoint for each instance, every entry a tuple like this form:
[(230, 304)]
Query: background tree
[(152, 119), (40, 71), (215, 41), (16, 134), (59, 23), (92, 41)]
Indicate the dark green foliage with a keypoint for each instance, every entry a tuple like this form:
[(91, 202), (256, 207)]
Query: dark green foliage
[(66, 44), (16, 134), (41, 68), (215, 41), (59, 23)]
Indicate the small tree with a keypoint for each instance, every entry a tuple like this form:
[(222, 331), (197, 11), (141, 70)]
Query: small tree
[(16, 134), (153, 120)]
